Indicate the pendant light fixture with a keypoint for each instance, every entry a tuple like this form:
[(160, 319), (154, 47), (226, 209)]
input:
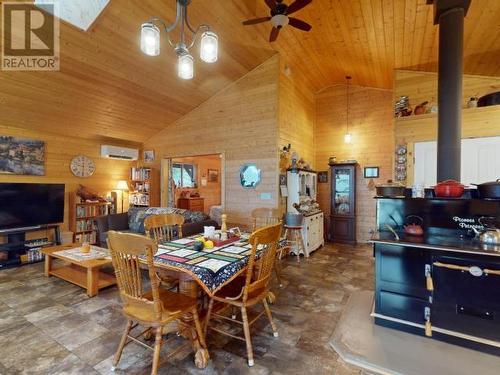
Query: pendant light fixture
[(347, 136), (209, 44)]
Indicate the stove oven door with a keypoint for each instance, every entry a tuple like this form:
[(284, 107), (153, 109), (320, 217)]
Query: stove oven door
[(466, 298)]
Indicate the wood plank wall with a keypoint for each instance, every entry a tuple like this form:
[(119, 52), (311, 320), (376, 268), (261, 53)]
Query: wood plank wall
[(240, 122), (296, 117), (371, 126), (422, 86), (212, 191), (59, 150)]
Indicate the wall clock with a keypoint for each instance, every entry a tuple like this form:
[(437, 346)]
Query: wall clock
[(82, 166)]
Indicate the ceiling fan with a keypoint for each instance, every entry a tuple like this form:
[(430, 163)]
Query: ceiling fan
[(280, 16)]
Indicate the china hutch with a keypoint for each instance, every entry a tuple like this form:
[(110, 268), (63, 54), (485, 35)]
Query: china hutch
[(343, 202), (302, 188)]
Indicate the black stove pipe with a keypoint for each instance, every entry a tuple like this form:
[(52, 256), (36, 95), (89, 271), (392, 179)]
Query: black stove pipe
[(450, 16)]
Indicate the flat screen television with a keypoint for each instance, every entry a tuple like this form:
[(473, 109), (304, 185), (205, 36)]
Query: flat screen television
[(30, 205)]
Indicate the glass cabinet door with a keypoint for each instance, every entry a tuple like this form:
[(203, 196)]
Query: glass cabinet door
[(342, 194)]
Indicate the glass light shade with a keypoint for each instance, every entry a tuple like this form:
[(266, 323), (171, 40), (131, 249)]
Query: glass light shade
[(122, 185), (209, 47), (150, 39), (185, 66), (347, 138)]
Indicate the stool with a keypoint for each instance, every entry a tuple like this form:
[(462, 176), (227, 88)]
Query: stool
[(296, 239)]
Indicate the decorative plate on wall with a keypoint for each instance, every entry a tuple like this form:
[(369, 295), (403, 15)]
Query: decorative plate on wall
[(82, 166)]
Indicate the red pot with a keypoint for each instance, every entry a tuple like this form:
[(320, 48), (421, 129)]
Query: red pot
[(449, 189)]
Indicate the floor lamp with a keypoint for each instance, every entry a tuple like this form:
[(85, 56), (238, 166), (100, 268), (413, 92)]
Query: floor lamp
[(122, 185)]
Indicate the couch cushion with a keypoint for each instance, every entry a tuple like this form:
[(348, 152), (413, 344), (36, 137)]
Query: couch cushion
[(118, 222), (136, 217), (189, 216)]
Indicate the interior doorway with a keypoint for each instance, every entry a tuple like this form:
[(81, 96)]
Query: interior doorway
[(193, 182)]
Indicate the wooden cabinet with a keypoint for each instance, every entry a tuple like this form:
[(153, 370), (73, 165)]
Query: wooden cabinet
[(343, 203), (312, 232), (192, 204)]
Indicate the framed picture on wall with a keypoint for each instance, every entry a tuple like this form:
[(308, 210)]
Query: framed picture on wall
[(22, 156), (371, 172), (282, 179), (323, 176), (213, 175), (149, 156)]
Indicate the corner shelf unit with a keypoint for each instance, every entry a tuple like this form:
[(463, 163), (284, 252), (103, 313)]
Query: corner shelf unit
[(82, 218)]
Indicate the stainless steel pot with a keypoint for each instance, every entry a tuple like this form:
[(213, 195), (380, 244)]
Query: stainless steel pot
[(293, 220), (490, 235)]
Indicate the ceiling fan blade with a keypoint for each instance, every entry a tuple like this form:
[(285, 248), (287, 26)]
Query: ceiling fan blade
[(256, 20), (274, 34), (270, 3), (299, 24), (297, 5)]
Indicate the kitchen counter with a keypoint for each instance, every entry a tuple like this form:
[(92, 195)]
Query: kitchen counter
[(442, 243)]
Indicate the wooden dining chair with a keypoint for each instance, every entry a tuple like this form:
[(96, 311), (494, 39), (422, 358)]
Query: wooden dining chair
[(250, 289), (162, 228), (154, 309), (264, 216)]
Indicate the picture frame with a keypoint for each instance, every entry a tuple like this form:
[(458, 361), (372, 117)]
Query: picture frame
[(371, 172), (22, 156), (149, 156), (213, 175), (323, 177)]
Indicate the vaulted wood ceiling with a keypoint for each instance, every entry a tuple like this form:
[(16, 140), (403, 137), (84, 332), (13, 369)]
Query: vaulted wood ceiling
[(108, 88)]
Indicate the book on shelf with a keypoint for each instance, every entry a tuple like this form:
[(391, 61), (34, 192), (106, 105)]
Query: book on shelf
[(140, 174), (90, 237), (91, 210)]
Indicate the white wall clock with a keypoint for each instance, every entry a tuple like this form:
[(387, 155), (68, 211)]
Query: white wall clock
[(82, 166)]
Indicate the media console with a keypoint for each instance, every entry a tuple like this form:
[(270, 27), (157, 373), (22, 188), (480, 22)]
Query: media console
[(18, 251)]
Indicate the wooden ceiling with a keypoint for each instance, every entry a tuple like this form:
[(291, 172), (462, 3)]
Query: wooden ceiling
[(368, 39), (107, 88)]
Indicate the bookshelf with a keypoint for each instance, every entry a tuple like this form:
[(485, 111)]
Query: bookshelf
[(82, 216), (141, 181)]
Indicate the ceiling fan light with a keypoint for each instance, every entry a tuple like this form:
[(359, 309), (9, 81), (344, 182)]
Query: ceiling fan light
[(185, 66), (209, 47), (150, 39), (279, 20)]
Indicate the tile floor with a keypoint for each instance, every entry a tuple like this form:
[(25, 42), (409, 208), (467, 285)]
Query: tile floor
[(48, 326)]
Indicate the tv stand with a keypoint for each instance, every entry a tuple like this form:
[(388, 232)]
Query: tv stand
[(19, 251)]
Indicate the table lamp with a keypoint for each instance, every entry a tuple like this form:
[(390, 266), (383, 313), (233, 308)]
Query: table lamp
[(122, 185)]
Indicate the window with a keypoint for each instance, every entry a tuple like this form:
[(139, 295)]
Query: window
[(184, 175)]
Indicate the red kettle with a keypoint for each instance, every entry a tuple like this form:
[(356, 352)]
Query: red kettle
[(414, 228)]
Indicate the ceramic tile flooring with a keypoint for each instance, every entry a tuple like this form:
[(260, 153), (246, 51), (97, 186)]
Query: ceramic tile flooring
[(48, 326)]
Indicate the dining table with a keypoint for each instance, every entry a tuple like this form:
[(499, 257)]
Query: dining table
[(209, 269)]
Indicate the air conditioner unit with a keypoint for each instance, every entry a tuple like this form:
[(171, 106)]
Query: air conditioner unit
[(121, 153)]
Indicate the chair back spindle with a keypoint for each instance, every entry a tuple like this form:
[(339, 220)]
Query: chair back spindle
[(263, 216), (161, 227), (266, 239)]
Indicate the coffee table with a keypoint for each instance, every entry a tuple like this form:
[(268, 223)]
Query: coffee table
[(84, 273)]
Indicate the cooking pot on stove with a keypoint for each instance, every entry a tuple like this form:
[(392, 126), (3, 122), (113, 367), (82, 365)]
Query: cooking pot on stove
[(449, 189), (490, 235), (390, 190), (489, 190)]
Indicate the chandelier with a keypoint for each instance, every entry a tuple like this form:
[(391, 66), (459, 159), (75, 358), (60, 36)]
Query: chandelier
[(209, 44)]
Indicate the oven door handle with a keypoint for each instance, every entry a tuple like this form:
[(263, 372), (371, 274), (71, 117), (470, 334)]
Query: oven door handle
[(451, 266), (473, 270)]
